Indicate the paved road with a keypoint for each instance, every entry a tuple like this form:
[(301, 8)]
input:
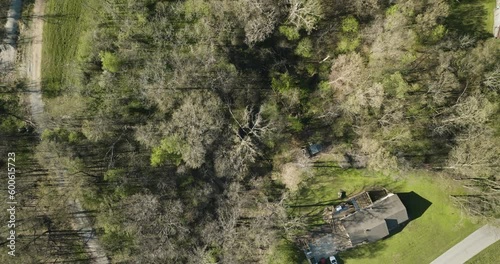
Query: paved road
[(470, 246)]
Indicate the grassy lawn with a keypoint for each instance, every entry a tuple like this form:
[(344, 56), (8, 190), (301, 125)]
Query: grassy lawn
[(65, 22), (472, 17), (323, 188), (489, 5), (286, 252), (440, 226), (487, 256)]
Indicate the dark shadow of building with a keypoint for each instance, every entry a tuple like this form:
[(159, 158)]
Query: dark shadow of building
[(415, 204)]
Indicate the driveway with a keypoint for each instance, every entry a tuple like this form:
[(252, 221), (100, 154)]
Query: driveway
[(470, 246)]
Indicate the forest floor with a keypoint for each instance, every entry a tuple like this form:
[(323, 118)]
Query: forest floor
[(33, 64)]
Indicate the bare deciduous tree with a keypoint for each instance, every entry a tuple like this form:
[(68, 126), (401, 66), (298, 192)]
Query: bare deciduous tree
[(304, 14), (259, 19), (472, 112), (346, 74), (476, 154), (197, 123), (366, 8), (250, 130), (375, 156), (492, 79), (428, 18)]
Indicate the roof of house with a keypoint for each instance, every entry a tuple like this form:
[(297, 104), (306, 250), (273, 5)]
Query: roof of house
[(377, 221)]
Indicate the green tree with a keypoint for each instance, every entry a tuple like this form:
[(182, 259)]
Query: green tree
[(110, 61), (291, 33), (350, 25), (288, 89), (170, 150), (304, 48)]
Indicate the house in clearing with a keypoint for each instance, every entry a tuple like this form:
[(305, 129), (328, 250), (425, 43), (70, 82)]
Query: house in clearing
[(376, 221), (366, 217)]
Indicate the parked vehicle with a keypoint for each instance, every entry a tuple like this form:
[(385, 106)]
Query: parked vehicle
[(313, 149)]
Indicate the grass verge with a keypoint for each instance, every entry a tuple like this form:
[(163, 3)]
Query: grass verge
[(471, 17), (487, 256), (489, 5), (64, 23), (286, 252)]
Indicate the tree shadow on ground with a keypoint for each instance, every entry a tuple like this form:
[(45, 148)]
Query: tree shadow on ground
[(322, 203), (468, 17)]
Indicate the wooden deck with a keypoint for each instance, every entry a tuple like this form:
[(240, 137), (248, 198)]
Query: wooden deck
[(362, 201)]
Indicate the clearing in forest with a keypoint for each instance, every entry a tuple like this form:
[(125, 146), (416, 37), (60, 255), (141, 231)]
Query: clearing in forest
[(419, 235)]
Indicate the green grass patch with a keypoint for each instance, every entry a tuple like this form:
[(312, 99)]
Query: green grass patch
[(472, 17), (286, 252), (487, 256), (439, 227), (322, 189), (65, 22), (489, 5)]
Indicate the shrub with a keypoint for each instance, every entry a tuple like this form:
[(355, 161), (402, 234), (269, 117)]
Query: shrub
[(110, 62), (304, 48), (290, 33)]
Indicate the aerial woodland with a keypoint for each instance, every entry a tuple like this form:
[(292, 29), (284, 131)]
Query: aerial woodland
[(173, 119)]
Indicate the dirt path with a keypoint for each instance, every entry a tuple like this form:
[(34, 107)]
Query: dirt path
[(33, 63), (470, 246)]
